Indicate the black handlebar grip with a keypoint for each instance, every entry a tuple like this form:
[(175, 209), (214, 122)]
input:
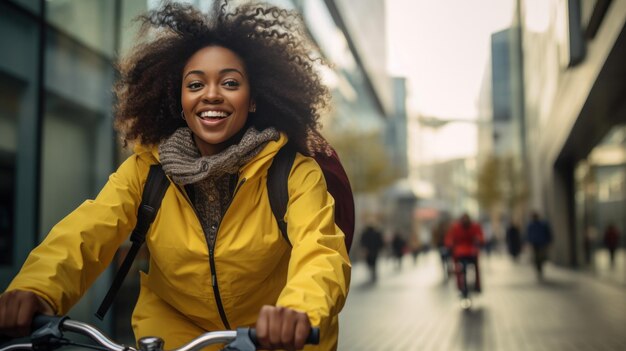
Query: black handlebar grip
[(312, 339), (40, 320), (314, 336)]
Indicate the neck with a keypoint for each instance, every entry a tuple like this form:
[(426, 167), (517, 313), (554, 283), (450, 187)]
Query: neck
[(214, 149)]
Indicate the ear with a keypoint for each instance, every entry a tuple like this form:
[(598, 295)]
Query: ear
[(252, 107)]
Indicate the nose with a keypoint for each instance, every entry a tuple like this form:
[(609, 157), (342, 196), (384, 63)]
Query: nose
[(212, 94)]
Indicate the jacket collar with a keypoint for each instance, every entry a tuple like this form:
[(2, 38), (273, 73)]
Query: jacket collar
[(263, 159)]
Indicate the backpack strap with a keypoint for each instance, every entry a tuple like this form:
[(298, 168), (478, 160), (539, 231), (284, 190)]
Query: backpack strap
[(153, 192), (338, 186), (277, 186)]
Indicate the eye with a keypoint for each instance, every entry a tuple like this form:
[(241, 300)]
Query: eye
[(194, 85), (231, 83)]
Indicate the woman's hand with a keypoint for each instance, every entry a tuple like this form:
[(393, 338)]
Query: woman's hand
[(282, 328), (17, 308)]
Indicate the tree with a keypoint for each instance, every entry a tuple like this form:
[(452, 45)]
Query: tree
[(364, 158), (501, 182), (488, 187)]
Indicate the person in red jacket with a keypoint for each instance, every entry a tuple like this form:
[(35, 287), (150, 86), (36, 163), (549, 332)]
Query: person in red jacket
[(464, 239)]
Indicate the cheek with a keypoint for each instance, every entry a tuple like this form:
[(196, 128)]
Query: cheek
[(187, 101), (243, 101), (184, 98)]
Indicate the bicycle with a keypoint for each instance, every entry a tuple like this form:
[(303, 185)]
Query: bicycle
[(461, 265), (48, 334)]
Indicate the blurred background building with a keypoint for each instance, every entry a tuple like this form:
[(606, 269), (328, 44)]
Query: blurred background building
[(366, 109), (549, 132), (574, 54), (57, 145)]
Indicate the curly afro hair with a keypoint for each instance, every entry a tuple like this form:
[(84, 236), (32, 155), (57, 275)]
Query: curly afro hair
[(272, 43)]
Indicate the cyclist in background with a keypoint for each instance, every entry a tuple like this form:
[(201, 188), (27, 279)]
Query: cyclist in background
[(464, 239)]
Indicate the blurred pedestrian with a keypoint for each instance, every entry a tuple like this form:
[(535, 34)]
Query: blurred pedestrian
[(611, 241), (590, 236), (398, 246), (489, 236), (425, 237), (513, 240), (539, 236), (414, 246), (438, 238), (464, 239), (372, 242)]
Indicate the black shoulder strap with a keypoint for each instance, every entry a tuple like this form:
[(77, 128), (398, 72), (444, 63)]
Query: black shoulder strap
[(277, 185), (153, 192)]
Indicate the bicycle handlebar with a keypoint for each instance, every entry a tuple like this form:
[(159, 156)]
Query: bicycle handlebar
[(48, 331)]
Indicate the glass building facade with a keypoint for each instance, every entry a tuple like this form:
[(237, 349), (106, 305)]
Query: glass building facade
[(601, 202), (57, 143), (575, 112)]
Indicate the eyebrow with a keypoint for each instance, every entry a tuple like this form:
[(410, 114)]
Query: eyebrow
[(225, 70)]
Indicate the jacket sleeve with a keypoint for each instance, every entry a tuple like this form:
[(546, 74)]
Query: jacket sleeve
[(319, 269), (82, 245)]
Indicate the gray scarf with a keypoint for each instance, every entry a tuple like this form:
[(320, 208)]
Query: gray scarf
[(183, 162)]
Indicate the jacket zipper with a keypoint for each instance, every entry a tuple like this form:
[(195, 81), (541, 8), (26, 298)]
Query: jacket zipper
[(216, 290)]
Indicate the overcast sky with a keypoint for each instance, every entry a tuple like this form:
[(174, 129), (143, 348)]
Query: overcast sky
[(443, 48)]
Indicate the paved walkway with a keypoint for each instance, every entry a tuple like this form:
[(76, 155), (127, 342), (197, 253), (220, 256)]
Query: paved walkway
[(414, 309)]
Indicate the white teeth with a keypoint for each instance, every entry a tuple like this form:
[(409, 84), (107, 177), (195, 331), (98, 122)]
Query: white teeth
[(213, 114)]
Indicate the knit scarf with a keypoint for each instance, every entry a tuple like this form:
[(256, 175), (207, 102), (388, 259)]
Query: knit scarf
[(182, 161)]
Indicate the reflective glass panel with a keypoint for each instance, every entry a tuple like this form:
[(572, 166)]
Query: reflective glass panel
[(18, 101), (90, 22), (77, 138), (601, 206), (31, 5)]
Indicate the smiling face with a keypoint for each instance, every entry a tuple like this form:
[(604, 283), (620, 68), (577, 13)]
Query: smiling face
[(215, 97)]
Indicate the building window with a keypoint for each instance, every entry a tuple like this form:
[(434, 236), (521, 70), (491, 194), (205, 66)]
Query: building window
[(19, 89)]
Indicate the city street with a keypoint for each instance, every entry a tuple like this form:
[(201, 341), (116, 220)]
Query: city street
[(413, 309)]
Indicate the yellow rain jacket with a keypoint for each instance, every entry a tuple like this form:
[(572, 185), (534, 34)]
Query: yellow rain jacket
[(252, 264)]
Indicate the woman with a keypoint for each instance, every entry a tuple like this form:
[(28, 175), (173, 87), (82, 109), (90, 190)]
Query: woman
[(211, 98)]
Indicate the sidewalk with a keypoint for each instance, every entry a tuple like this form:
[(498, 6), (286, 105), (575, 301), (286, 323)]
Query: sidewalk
[(415, 310)]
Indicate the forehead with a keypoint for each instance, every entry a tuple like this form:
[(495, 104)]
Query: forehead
[(214, 57)]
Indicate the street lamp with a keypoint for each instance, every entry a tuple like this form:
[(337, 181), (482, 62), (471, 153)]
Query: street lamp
[(450, 175), (436, 122)]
